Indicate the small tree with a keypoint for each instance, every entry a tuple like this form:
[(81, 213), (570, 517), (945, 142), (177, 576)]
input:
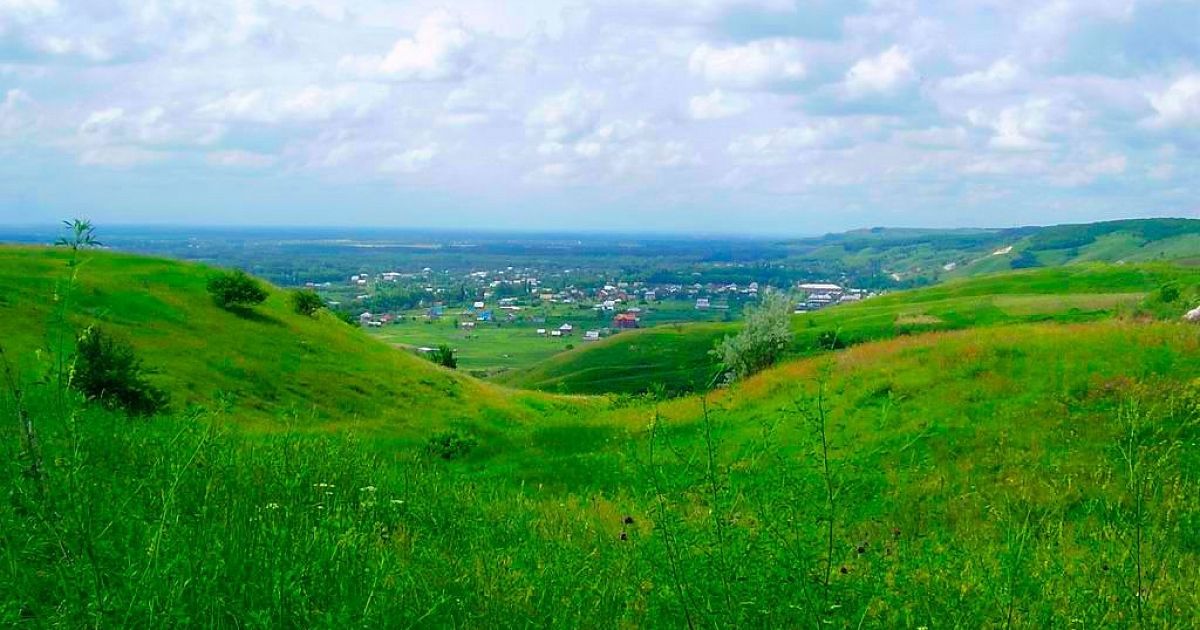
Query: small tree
[(444, 356), (82, 235), (236, 290), (761, 342), (307, 302), (107, 371)]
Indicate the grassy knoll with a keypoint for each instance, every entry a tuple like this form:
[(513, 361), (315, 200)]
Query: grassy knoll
[(674, 356), (678, 358), (269, 367), (1011, 476), (1037, 474)]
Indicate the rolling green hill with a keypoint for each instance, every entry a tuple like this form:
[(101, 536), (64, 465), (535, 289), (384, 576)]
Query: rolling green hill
[(273, 368), (1036, 468), (677, 357), (916, 257)]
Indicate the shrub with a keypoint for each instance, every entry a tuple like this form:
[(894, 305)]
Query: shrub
[(765, 337), (1168, 293), (444, 356), (107, 371), (451, 445), (236, 290), (307, 302)]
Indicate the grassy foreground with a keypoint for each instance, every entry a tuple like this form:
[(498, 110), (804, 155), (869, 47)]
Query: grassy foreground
[(1029, 475)]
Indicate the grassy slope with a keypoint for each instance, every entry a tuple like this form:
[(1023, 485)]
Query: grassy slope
[(919, 255), (678, 358), (271, 368), (982, 473), (673, 355)]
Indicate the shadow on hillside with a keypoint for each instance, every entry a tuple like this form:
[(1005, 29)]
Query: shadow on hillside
[(252, 315)]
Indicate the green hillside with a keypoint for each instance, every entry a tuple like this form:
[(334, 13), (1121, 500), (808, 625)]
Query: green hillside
[(272, 368), (1012, 473), (916, 257), (678, 359), (1032, 475)]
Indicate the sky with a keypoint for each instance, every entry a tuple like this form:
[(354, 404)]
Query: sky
[(712, 116)]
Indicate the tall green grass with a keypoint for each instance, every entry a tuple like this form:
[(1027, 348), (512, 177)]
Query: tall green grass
[(1039, 475)]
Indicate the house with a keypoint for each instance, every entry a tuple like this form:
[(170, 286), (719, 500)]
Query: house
[(541, 331), (820, 287), (556, 333), (365, 317), (591, 335), (375, 324), (625, 320), (566, 329), (702, 304), (485, 316), (468, 324), (477, 305)]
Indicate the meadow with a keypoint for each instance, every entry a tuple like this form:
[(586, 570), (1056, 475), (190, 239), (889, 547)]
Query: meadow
[(492, 349), (1019, 474)]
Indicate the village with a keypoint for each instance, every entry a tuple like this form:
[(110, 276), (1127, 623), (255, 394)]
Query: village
[(491, 316)]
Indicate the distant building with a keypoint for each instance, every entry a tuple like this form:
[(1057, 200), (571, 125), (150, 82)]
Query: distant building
[(566, 329), (625, 321), (820, 287), (541, 331), (591, 335), (702, 304)]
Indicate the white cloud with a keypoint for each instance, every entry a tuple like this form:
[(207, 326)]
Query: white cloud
[(410, 161), (151, 126), (756, 65), (934, 137), (312, 103), (1029, 125), (120, 156), (24, 9), (882, 74), (440, 49), (1091, 170), (15, 112), (240, 159), (996, 77), (786, 142), (1178, 105), (86, 47), (566, 115), (717, 104)]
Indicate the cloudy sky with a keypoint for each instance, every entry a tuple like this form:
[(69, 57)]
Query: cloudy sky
[(751, 116)]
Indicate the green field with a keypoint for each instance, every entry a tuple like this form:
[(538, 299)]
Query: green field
[(492, 349), (486, 349), (1010, 473), (678, 359)]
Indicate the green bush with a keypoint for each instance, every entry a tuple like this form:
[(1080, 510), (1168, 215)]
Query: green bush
[(307, 302), (765, 337), (451, 445), (444, 356), (236, 290), (107, 371)]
